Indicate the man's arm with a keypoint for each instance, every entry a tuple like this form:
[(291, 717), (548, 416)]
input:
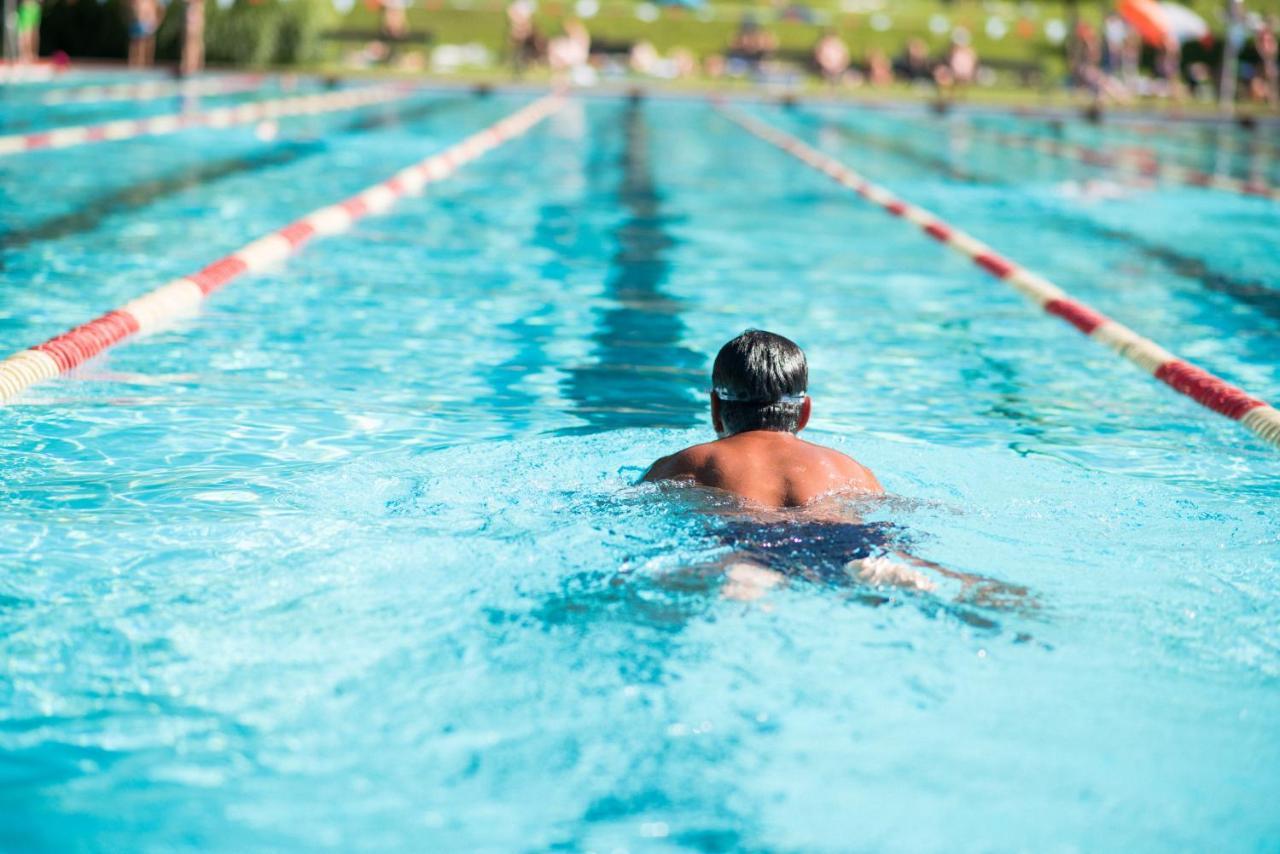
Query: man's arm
[(978, 589)]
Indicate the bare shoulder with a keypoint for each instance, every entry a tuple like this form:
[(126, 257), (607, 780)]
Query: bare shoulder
[(854, 474), (682, 465)]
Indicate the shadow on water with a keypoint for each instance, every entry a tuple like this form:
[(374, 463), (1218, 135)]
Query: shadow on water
[(564, 235), (642, 373), (90, 215)]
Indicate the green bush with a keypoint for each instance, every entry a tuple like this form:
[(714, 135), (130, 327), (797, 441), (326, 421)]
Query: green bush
[(301, 28), (266, 32)]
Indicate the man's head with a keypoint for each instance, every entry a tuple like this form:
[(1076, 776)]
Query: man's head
[(759, 383)]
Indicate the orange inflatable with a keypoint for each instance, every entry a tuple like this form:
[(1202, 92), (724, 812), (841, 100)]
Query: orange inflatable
[(1148, 19)]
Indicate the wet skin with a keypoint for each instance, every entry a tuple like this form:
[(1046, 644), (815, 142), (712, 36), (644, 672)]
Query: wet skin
[(767, 467)]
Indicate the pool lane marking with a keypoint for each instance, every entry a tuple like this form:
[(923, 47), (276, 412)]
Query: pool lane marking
[(1196, 383), (154, 89), (220, 117), (182, 297), (1146, 165)]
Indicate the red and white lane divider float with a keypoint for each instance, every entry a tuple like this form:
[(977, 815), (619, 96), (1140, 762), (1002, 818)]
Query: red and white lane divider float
[(1194, 382), (1143, 164), (182, 297), (27, 72), (153, 89), (300, 105)]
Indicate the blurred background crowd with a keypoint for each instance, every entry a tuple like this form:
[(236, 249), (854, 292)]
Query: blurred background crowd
[(1118, 51)]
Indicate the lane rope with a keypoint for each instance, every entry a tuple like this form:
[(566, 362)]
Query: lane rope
[(298, 105), (154, 89), (1204, 388), (1145, 165), (182, 297), (28, 73), (1231, 139)]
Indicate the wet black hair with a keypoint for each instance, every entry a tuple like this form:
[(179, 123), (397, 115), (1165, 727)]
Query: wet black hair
[(754, 376)]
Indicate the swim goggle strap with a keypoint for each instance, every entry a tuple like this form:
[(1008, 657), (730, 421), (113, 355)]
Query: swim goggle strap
[(727, 396)]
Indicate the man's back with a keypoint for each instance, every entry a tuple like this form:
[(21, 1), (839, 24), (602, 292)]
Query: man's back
[(768, 467)]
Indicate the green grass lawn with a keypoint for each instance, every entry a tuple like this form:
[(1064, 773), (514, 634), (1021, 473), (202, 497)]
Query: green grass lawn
[(483, 21)]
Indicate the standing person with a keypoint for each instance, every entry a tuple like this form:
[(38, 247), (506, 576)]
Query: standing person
[(962, 59), (1117, 75), (1114, 33), (1085, 59), (831, 57), (572, 50), (28, 31), (522, 36), (1170, 64), (192, 38), (143, 21), (879, 68), (915, 65), (1267, 51), (752, 45), (394, 23)]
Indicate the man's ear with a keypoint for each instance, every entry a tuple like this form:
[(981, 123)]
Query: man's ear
[(806, 409), (715, 415)]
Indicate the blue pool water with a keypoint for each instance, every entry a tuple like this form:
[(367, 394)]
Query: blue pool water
[(355, 558), (24, 111)]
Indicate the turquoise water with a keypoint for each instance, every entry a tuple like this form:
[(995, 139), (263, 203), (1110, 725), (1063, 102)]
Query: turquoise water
[(354, 559)]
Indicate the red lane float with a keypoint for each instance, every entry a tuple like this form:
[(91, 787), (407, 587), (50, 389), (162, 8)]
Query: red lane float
[(153, 89), (65, 137), (182, 297), (1196, 383), (1145, 165)]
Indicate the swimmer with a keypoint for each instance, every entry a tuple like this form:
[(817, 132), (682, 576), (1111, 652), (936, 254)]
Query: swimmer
[(759, 403), (796, 522)]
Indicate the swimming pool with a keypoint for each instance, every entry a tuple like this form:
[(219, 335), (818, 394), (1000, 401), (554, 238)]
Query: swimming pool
[(353, 559)]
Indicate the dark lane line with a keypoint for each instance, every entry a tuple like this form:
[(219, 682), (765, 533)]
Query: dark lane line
[(1252, 293), (643, 371), (559, 231), (137, 196)]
